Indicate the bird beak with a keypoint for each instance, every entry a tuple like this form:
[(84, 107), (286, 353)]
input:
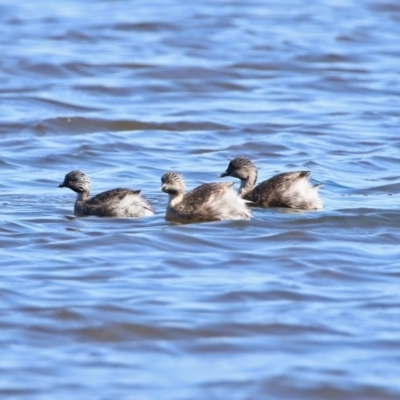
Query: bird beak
[(61, 185), (223, 174)]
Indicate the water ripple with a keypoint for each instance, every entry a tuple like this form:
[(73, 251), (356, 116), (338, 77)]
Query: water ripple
[(289, 304)]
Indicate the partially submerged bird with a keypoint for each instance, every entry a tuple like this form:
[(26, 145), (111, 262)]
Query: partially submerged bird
[(118, 202), (288, 189), (208, 202)]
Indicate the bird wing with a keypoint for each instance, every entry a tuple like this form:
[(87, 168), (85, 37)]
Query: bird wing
[(271, 192)]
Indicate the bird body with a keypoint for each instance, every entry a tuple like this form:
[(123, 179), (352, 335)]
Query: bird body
[(207, 202), (288, 189), (119, 202)]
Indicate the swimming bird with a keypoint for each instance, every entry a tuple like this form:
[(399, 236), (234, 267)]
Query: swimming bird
[(208, 202), (118, 202), (288, 189)]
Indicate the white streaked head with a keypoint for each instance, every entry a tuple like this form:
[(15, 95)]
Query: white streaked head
[(77, 181), (172, 183), (240, 167)]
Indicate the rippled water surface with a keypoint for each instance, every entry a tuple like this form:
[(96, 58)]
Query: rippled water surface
[(288, 305)]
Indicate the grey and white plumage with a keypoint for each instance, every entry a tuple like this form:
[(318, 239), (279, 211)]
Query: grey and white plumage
[(208, 202), (120, 202), (288, 189)]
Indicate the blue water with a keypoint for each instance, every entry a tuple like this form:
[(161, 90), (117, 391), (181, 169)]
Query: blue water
[(293, 305)]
